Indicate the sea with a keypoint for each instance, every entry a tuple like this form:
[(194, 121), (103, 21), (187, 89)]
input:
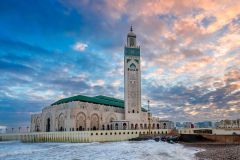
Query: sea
[(125, 150)]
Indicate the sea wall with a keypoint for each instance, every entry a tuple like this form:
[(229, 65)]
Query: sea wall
[(213, 131), (232, 139), (223, 138), (80, 136)]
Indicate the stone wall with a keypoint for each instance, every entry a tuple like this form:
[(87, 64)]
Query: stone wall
[(223, 138), (80, 136)]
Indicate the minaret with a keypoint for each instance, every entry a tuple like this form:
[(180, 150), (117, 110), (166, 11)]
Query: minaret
[(132, 78)]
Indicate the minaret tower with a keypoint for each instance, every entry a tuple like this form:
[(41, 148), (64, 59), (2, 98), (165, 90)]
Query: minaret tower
[(132, 78)]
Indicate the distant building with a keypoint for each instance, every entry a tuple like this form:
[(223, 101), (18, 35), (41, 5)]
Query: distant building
[(178, 125), (81, 112), (188, 125), (204, 124), (3, 129), (228, 124)]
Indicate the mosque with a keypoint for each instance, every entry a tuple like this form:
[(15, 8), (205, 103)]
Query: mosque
[(79, 113)]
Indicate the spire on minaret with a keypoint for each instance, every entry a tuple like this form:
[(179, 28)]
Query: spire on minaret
[(131, 28)]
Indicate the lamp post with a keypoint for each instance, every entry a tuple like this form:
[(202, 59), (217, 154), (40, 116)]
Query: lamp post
[(149, 125)]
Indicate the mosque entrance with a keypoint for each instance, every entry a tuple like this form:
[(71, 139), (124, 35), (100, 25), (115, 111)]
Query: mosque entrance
[(48, 125), (81, 128)]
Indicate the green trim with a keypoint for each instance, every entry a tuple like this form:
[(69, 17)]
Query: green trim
[(136, 60), (110, 99), (131, 51), (104, 100), (90, 100), (128, 60)]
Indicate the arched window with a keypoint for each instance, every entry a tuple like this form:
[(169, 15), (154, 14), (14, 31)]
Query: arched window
[(48, 124), (124, 126), (136, 126), (133, 111), (164, 125), (116, 126), (153, 126), (132, 126), (145, 126)]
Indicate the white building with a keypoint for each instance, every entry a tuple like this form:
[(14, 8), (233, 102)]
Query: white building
[(228, 124), (3, 129), (100, 112)]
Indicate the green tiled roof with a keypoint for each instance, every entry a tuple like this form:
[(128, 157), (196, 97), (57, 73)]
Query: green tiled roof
[(104, 100), (110, 99)]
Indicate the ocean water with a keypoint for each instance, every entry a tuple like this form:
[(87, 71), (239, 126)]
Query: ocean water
[(142, 150)]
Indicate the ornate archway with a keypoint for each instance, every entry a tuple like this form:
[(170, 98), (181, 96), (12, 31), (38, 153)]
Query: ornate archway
[(48, 122), (111, 117), (61, 122), (81, 122), (94, 122)]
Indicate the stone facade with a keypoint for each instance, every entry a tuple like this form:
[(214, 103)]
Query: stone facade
[(81, 113)]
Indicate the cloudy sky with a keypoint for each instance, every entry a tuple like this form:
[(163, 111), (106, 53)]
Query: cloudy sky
[(53, 49)]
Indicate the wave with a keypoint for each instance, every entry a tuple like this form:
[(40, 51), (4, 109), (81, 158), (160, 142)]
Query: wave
[(141, 150)]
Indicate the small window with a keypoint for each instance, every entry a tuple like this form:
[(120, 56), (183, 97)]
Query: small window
[(91, 134), (105, 133), (132, 111), (127, 132), (110, 133), (101, 133), (115, 133), (132, 132), (123, 132), (96, 133), (136, 132)]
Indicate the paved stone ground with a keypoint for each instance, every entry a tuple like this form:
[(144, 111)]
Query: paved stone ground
[(217, 151)]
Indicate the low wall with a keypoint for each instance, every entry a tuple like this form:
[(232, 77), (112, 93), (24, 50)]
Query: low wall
[(80, 136), (210, 138), (218, 131), (223, 138)]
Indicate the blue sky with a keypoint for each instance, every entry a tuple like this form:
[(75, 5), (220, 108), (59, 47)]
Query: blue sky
[(54, 49)]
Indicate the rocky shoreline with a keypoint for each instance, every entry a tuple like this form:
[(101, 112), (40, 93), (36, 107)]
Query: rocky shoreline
[(216, 151)]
